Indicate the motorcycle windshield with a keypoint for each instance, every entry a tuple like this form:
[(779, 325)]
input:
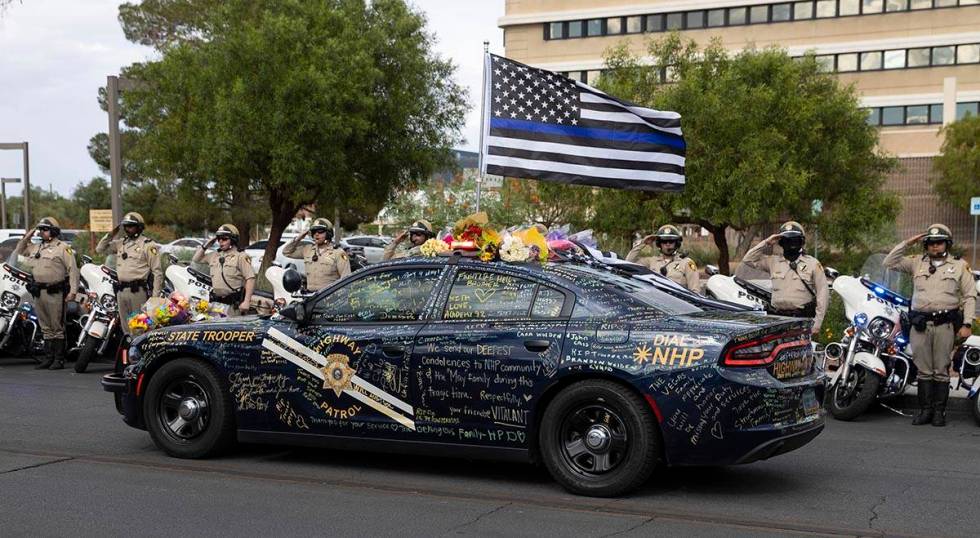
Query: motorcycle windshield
[(873, 270)]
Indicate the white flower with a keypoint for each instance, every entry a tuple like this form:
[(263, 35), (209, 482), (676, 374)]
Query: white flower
[(514, 250)]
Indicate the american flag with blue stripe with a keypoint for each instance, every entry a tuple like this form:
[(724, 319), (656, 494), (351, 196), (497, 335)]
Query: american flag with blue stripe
[(541, 125)]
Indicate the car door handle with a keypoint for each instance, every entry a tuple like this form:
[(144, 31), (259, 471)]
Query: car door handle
[(536, 345), (392, 351)]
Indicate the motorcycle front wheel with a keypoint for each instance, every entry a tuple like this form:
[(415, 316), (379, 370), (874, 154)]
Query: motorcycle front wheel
[(853, 396), (90, 349)]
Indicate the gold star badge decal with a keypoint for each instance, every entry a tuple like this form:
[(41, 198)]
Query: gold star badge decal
[(337, 373), (642, 354)]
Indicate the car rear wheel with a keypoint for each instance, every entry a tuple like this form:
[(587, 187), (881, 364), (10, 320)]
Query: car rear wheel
[(598, 439), (853, 396), (188, 410)]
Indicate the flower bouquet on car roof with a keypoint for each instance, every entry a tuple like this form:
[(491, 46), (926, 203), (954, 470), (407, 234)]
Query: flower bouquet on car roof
[(173, 310)]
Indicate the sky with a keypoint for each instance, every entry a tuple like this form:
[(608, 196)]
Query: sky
[(55, 54)]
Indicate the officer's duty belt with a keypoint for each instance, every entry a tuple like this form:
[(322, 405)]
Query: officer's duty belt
[(134, 286)]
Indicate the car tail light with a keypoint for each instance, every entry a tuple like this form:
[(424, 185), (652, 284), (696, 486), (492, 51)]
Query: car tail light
[(763, 351)]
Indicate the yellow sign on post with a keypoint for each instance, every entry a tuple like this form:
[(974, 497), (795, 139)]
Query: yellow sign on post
[(100, 220)]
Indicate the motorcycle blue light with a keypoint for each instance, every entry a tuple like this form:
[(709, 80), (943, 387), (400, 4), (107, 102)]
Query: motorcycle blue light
[(879, 289), (901, 340), (861, 319)]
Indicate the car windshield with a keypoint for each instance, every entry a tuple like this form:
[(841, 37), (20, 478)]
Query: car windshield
[(643, 291)]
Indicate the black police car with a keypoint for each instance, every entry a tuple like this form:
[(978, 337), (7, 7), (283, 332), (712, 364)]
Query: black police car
[(598, 374)]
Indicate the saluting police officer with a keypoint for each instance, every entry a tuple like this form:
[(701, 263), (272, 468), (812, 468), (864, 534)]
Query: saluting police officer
[(418, 233), (55, 282), (944, 300), (232, 276), (324, 264), (137, 264), (799, 286), (671, 264)]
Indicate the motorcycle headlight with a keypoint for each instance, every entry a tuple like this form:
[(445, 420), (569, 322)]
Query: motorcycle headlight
[(881, 327), (108, 301), (9, 300)]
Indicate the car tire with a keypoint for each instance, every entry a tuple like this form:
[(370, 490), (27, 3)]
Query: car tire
[(189, 390), (86, 354), (867, 392), (975, 406), (598, 439)]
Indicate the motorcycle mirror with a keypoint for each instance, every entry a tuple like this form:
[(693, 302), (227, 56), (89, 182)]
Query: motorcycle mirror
[(976, 275), (295, 312), (711, 270), (86, 258), (172, 259), (831, 272), (292, 281)]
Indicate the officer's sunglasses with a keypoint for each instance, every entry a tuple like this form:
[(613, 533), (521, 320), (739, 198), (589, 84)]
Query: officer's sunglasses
[(930, 242), (224, 238), (320, 231), (44, 228)]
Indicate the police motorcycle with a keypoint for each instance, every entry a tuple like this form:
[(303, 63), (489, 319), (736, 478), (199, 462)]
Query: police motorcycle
[(19, 326), (875, 360), (966, 361), (196, 285), (287, 285), (748, 287), (101, 333)]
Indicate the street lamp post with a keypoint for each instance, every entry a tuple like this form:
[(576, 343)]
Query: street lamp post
[(27, 177), (3, 198)]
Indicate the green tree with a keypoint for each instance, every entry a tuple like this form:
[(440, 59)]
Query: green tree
[(767, 134), (959, 164), (330, 103)]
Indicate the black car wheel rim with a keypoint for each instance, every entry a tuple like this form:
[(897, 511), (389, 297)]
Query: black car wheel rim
[(184, 409), (593, 439)]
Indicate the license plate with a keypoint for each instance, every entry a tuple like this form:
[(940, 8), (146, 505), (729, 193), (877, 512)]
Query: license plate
[(794, 362), (810, 404)]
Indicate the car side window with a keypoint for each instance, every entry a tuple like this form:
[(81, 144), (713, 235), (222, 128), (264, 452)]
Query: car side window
[(548, 303), (398, 295), (486, 295), (257, 245), (358, 242), (377, 243)]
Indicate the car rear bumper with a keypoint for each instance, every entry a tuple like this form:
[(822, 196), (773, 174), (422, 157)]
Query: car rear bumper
[(782, 445)]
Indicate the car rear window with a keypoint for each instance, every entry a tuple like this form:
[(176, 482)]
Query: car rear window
[(634, 288)]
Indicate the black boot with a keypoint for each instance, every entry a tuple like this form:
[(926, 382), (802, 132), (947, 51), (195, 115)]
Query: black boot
[(940, 395), (925, 393), (58, 352), (48, 358)]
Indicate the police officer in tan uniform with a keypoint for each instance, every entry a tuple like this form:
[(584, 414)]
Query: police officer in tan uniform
[(324, 264), (418, 233), (232, 276), (55, 282), (137, 264), (799, 286), (671, 264), (944, 300)]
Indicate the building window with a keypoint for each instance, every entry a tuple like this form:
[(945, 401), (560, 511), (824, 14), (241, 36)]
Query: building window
[(826, 63), (695, 19), (921, 4), (969, 2), (826, 8), (594, 27), (943, 56), (849, 7), (874, 116), (935, 113), (675, 21), (634, 25), (917, 57), (575, 75), (716, 17), (781, 12), (655, 23), (962, 109), (575, 29), (870, 61), (759, 14), (968, 54), (896, 5), (737, 16), (917, 115), (895, 59), (847, 62), (556, 30), (802, 11), (592, 77), (872, 6), (945, 3), (893, 115), (614, 26)]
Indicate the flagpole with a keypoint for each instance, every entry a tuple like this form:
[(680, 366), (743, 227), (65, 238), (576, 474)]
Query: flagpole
[(483, 119)]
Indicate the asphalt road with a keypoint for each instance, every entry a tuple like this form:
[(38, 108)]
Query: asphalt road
[(70, 467)]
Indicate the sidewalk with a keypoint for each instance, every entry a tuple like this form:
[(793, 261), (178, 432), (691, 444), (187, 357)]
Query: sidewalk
[(958, 404)]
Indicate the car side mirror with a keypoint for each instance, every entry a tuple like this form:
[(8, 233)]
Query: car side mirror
[(295, 312), (711, 270), (86, 258), (292, 281)]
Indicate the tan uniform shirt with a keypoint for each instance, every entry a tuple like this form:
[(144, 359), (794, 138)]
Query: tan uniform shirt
[(136, 258), (951, 287), (393, 250), (788, 289), (324, 264), (229, 269), (681, 270), (50, 262)]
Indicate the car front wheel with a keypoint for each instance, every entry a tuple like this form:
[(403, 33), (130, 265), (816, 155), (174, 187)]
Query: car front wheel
[(188, 411), (598, 439)]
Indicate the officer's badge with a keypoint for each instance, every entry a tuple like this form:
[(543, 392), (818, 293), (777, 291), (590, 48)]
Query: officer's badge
[(692, 264), (934, 231), (337, 373), (343, 255)]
